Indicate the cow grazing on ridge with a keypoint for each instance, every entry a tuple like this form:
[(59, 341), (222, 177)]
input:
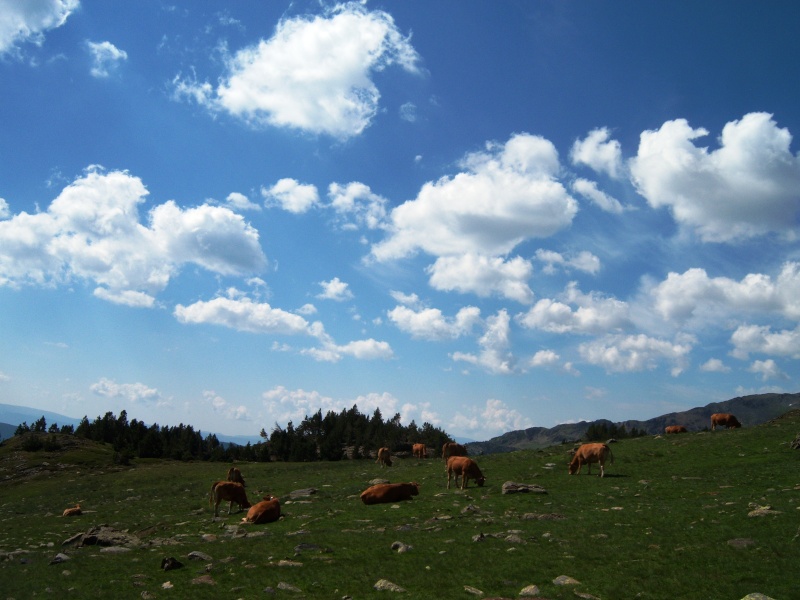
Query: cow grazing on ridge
[(228, 490), (453, 449), (419, 451), (383, 493), (73, 512), (466, 468), (234, 474), (726, 420), (384, 457), (266, 511), (588, 454), (675, 429)]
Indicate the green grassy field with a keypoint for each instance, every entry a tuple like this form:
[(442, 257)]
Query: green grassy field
[(669, 520)]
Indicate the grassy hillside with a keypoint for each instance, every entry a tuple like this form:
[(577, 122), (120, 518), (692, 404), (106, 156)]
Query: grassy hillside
[(669, 520), (750, 410)]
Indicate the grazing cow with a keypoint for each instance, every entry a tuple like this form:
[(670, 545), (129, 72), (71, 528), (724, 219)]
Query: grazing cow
[(419, 451), (235, 474), (266, 511), (228, 490), (466, 468), (73, 512), (726, 420), (675, 429), (453, 449), (588, 454), (384, 457), (383, 493)]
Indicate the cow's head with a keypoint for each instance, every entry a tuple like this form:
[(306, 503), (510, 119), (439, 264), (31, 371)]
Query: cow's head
[(414, 488), (480, 481)]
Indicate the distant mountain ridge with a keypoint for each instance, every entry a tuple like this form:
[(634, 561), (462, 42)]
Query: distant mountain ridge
[(750, 410)]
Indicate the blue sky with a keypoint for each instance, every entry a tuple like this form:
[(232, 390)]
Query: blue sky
[(484, 215)]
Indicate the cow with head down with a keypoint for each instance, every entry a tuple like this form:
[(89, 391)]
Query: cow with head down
[(383, 493), (588, 454), (384, 457), (466, 468), (266, 511), (228, 490), (726, 420), (675, 429)]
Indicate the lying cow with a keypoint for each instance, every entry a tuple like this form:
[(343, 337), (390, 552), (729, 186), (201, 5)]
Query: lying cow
[(234, 474), (419, 451), (453, 449), (588, 454), (675, 429), (228, 490), (383, 493), (466, 468), (73, 512), (384, 457), (266, 511), (726, 420)]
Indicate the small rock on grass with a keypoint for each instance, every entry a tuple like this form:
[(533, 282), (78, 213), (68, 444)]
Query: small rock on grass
[(565, 580), (384, 585), (530, 590), (757, 596)]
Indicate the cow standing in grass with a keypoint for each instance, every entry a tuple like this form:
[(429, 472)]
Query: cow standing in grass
[(466, 468), (453, 449), (419, 451), (228, 490), (384, 457), (588, 454), (726, 420), (234, 474)]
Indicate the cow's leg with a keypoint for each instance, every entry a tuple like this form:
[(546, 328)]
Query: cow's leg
[(602, 470), (448, 480)]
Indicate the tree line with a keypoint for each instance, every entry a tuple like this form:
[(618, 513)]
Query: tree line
[(603, 430), (348, 434)]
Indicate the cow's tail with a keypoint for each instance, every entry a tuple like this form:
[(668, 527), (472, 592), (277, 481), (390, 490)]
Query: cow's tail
[(211, 494), (610, 453)]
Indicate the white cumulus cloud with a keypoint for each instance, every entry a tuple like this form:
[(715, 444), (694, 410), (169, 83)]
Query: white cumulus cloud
[(483, 275), (629, 353), (600, 153), (106, 57), (314, 74), (747, 187), (291, 195), (27, 21), (431, 324), (505, 195)]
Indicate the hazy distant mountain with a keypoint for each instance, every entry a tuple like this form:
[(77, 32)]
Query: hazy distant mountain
[(750, 410)]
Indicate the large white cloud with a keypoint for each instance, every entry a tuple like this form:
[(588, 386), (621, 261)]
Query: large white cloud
[(358, 205), (483, 275), (695, 294), (761, 339), (291, 195), (594, 314), (747, 187), (128, 392), (506, 195), (92, 232), (628, 353), (494, 417), (27, 21), (243, 314), (313, 74), (431, 324)]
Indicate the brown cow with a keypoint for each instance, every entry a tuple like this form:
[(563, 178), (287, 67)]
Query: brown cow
[(588, 454), (675, 429), (419, 451), (466, 468), (389, 492), (235, 474), (73, 512), (228, 490), (266, 511), (453, 449), (384, 457), (726, 420)]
